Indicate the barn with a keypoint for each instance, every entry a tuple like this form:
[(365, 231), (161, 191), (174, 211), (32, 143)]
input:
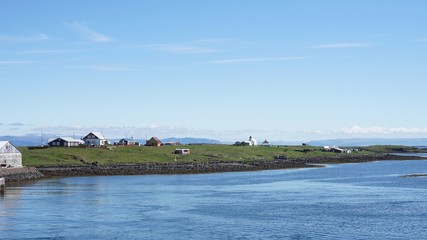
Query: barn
[(154, 142), (10, 156)]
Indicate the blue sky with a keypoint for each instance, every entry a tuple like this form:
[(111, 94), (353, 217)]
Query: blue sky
[(277, 70)]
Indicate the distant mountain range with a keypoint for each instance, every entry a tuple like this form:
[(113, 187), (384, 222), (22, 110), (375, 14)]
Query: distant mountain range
[(27, 140), (36, 140), (186, 140), (189, 140), (370, 141)]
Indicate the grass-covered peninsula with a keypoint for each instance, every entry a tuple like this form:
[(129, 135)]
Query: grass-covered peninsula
[(59, 156), (136, 160)]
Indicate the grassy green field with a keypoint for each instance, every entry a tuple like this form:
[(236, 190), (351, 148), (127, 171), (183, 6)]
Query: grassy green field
[(132, 154)]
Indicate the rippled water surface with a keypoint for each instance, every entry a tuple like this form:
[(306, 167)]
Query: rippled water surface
[(347, 201)]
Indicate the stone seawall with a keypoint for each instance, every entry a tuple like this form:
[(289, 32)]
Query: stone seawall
[(168, 168), (207, 167), (20, 174)]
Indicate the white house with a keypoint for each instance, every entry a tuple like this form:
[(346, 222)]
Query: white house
[(65, 142), (95, 139), (10, 156)]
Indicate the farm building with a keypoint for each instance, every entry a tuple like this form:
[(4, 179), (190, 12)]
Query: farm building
[(127, 142), (154, 142), (10, 156), (95, 139), (266, 143), (65, 142)]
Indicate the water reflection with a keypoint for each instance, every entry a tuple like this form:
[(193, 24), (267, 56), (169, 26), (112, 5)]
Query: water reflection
[(350, 201)]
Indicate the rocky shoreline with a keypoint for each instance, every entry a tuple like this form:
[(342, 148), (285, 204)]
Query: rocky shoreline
[(167, 168), (29, 173), (20, 174), (208, 167)]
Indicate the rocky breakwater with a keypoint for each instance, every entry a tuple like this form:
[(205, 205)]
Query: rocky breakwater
[(168, 168), (344, 158), (20, 174)]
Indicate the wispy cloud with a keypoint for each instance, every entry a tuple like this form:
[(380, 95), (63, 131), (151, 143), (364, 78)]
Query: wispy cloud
[(232, 135), (382, 131), (179, 48), (104, 68), (213, 40), (259, 59), (29, 38), (41, 51), (16, 124), (14, 62), (341, 45), (88, 33)]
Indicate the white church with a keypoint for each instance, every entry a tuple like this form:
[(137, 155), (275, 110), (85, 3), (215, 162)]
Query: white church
[(251, 142)]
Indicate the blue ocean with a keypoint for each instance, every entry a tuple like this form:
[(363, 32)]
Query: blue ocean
[(342, 201)]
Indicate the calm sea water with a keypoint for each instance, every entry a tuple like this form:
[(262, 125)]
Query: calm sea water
[(348, 201)]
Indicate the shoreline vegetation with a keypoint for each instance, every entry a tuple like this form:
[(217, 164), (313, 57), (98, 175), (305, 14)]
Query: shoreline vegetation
[(132, 160)]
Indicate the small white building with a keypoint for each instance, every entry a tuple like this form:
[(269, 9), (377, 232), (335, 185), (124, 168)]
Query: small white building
[(64, 142), (10, 156), (95, 139), (251, 142)]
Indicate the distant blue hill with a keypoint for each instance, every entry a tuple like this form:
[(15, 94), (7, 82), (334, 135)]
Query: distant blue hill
[(189, 140), (27, 140), (35, 140), (370, 142)]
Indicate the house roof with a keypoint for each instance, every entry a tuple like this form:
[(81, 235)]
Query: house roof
[(67, 139), (99, 135), (2, 143), (156, 139), (265, 142), (128, 140)]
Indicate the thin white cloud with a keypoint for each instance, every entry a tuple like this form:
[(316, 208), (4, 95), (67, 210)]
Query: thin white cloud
[(382, 131), (179, 48), (14, 62), (104, 68), (41, 51), (16, 124), (30, 38), (260, 59), (88, 33), (162, 131), (342, 45)]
